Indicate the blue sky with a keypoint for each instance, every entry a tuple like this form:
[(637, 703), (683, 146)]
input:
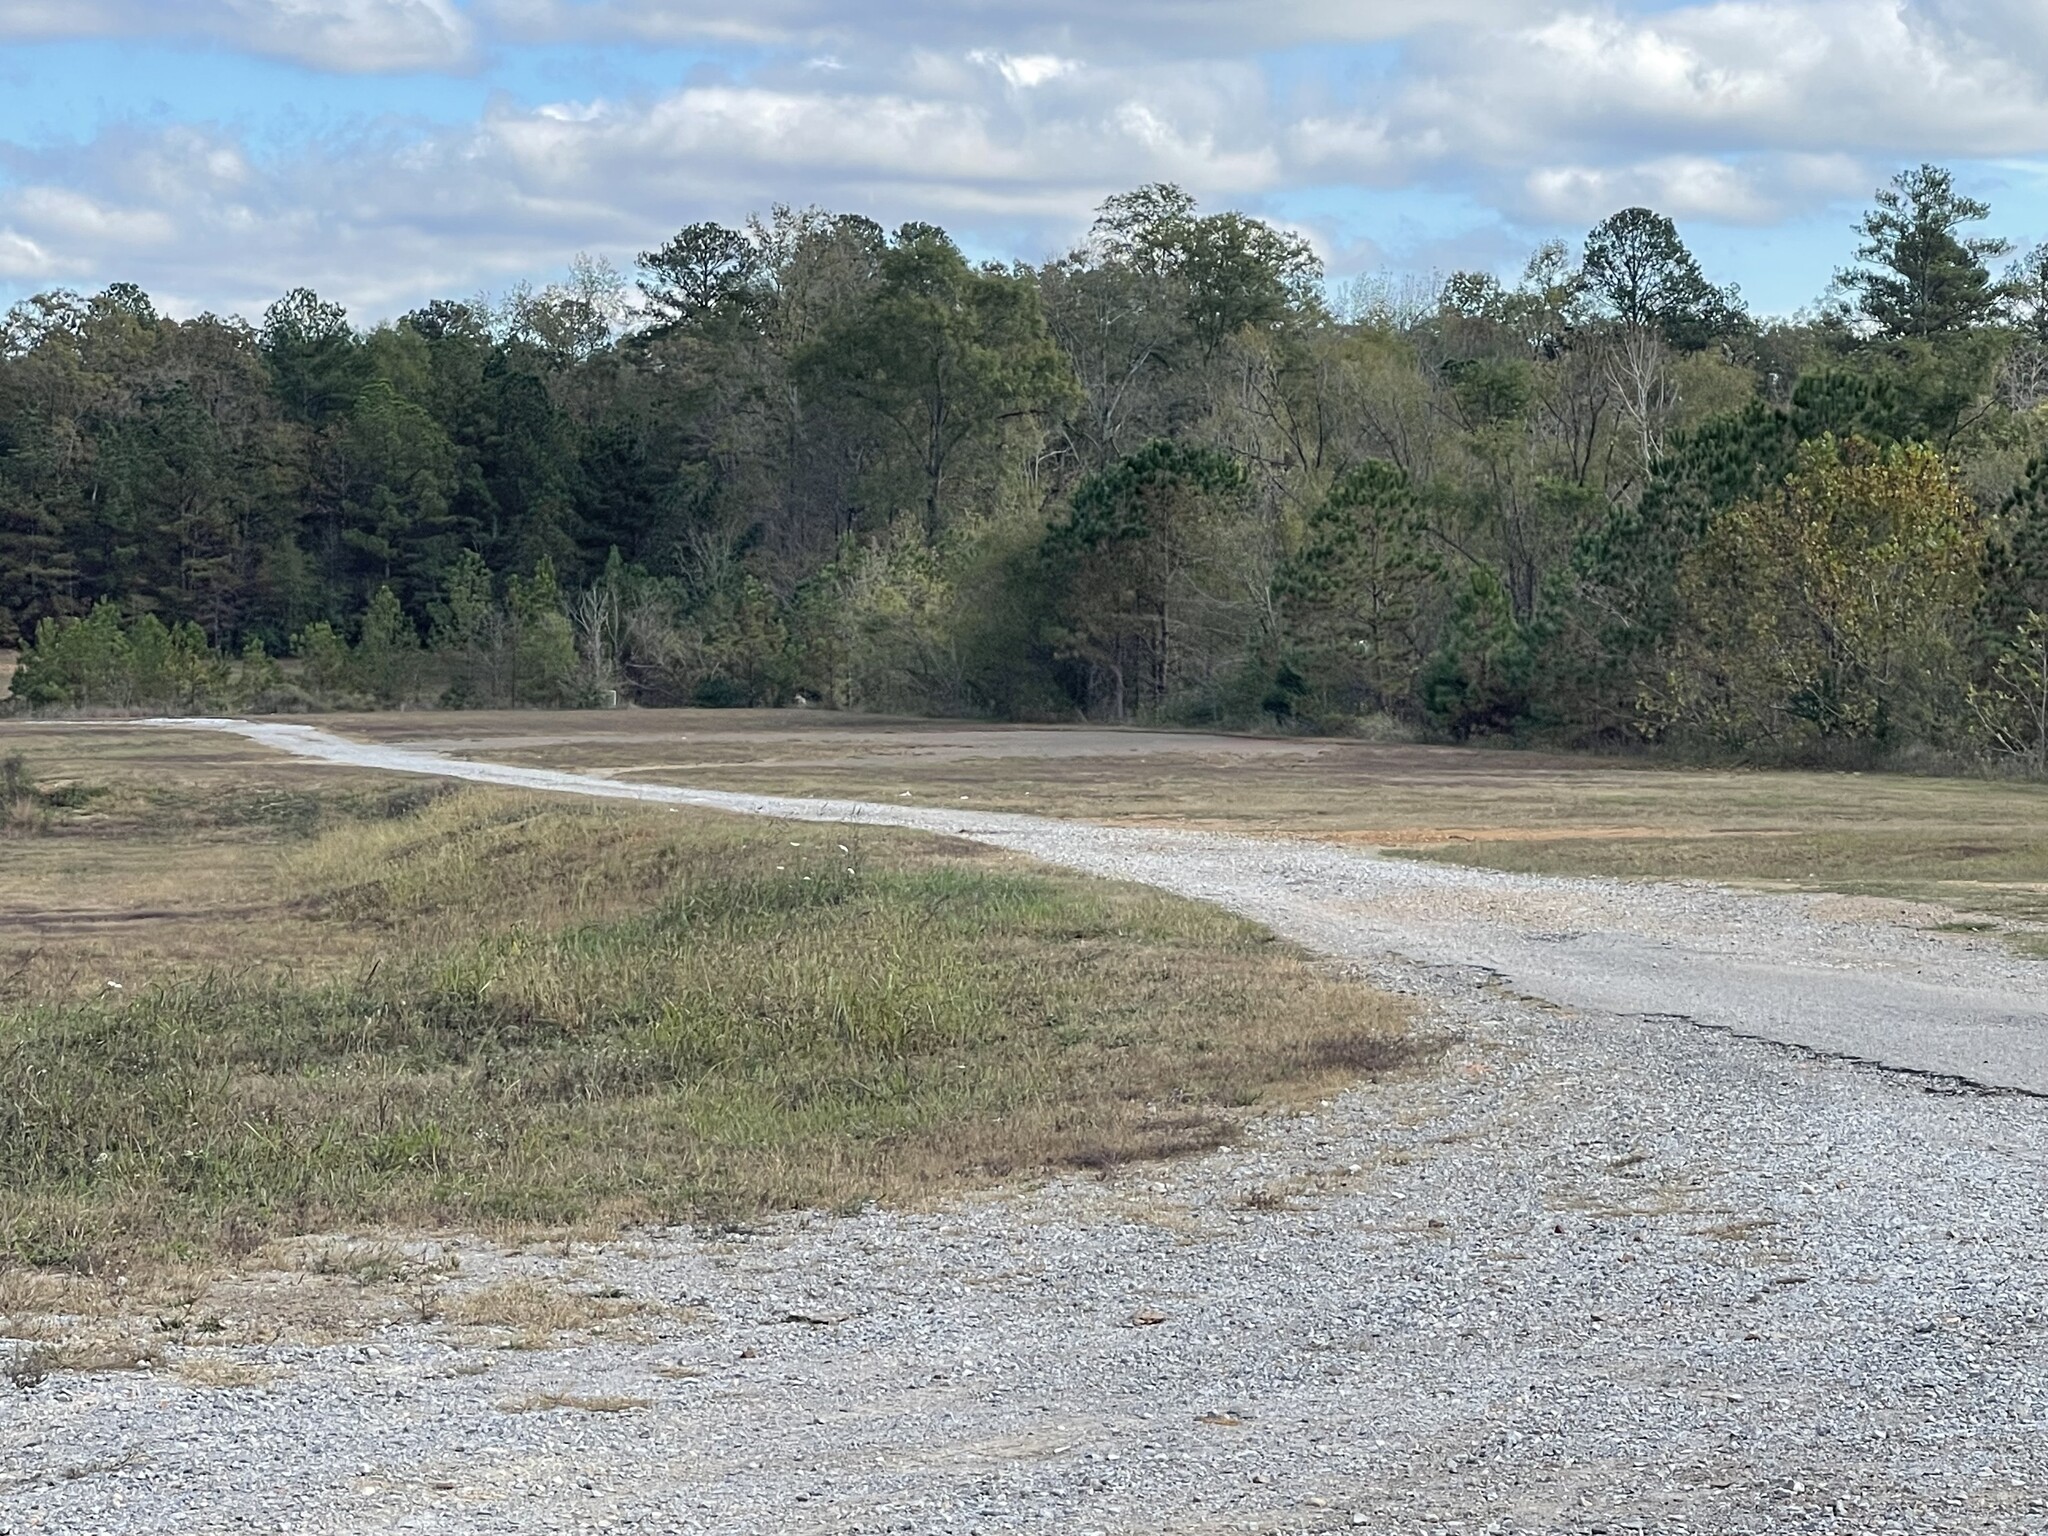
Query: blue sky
[(388, 151)]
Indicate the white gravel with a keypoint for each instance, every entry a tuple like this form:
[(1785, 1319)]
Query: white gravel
[(1607, 1271)]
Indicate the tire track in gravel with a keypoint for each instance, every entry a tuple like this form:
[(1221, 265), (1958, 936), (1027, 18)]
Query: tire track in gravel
[(1866, 982)]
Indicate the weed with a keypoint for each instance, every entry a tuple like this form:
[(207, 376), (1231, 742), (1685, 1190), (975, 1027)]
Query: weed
[(364, 1263), (29, 1367), (1269, 1198), (224, 1375), (536, 1313), (23, 811), (426, 1300), (32, 1364)]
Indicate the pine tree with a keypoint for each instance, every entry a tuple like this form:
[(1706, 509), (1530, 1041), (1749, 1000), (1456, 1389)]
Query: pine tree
[(1353, 593), (387, 656), (1478, 681), (1919, 277)]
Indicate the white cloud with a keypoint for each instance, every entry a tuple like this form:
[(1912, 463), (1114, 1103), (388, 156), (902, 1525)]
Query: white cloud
[(955, 150), (1024, 71), (1755, 190), (344, 36), (22, 259), (1123, 28), (1869, 76), (1012, 122), (85, 222), (1736, 111), (384, 220)]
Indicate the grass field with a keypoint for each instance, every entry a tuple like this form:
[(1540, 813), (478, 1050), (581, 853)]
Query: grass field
[(242, 999), (1978, 846), (241, 996)]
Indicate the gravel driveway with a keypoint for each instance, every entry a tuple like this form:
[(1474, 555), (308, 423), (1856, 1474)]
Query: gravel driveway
[(1607, 1271)]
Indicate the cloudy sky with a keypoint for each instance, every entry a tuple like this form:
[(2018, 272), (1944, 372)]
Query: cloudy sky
[(386, 151)]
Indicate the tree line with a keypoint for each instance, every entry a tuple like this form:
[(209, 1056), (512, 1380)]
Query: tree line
[(1168, 476)]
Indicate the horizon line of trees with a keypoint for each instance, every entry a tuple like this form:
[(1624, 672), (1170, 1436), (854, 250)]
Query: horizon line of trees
[(1162, 477)]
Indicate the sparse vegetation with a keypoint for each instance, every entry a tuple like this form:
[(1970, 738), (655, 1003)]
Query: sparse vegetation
[(25, 805), (495, 1011), (536, 1313), (20, 804), (224, 1375), (31, 1364), (1998, 871)]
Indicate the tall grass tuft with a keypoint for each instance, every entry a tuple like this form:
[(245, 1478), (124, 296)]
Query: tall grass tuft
[(21, 803)]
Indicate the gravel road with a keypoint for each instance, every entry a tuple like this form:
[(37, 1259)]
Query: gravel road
[(1607, 1271)]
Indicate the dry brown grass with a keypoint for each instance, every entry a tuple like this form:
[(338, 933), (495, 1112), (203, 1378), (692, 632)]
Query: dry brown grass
[(223, 1375), (29, 1298), (169, 862), (506, 1014), (305, 1293), (367, 1261), (537, 1313), (555, 1402), (32, 1363)]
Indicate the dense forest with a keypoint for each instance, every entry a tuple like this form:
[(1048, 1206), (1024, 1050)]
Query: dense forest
[(1171, 476)]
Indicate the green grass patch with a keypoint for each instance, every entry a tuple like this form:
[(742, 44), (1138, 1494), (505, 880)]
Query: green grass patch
[(503, 1012)]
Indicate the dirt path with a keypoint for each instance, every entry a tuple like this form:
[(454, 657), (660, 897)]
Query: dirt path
[(1606, 1272)]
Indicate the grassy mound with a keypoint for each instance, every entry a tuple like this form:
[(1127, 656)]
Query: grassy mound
[(504, 1012)]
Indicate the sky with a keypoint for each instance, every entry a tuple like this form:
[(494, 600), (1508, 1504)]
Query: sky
[(384, 152)]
